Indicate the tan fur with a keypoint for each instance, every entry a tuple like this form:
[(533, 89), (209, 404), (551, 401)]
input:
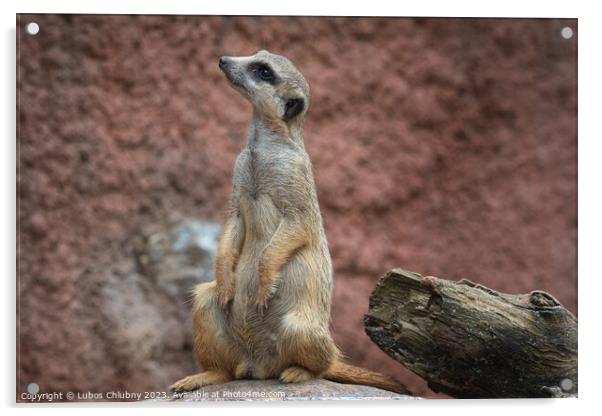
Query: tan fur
[(267, 313), (228, 251), (345, 373)]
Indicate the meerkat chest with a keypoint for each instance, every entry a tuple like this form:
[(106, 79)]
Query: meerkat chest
[(271, 171), (268, 180)]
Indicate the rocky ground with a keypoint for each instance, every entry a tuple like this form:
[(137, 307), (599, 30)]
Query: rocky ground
[(444, 146), (273, 390)]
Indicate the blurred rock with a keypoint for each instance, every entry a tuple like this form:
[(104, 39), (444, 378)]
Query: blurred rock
[(179, 255)]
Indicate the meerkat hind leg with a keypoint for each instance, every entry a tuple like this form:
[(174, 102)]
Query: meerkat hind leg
[(204, 378), (308, 349), (295, 374)]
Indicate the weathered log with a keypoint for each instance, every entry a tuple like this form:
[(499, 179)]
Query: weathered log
[(469, 341)]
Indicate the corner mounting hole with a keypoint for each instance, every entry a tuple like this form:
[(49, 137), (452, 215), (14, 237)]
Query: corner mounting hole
[(566, 384), (32, 28), (566, 32)]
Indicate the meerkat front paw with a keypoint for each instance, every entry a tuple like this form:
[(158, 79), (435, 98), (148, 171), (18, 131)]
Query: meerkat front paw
[(261, 301), (224, 297), (263, 297), (225, 293)]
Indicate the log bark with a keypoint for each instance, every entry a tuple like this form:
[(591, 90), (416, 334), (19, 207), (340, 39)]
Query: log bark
[(469, 341)]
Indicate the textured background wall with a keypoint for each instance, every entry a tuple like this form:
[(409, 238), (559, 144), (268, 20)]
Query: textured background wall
[(444, 146)]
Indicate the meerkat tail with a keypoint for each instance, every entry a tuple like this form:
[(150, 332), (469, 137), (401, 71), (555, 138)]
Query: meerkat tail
[(349, 374)]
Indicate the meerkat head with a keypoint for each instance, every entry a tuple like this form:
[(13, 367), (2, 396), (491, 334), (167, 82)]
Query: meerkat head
[(272, 83)]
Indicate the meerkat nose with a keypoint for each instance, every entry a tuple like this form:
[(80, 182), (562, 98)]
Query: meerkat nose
[(223, 62)]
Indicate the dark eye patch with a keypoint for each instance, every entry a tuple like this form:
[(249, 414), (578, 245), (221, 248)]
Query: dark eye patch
[(263, 72)]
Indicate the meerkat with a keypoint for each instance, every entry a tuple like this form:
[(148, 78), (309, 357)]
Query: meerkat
[(267, 313)]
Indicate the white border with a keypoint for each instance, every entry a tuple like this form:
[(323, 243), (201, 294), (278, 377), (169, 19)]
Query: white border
[(590, 206), (508, 8)]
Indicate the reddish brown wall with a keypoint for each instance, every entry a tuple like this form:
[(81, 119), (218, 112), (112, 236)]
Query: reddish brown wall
[(444, 146)]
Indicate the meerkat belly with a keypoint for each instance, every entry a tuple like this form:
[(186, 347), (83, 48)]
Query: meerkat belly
[(261, 219), (297, 304), (257, 334)]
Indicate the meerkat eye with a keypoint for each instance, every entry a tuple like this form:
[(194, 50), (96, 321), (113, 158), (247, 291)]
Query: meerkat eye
[(264, 72)]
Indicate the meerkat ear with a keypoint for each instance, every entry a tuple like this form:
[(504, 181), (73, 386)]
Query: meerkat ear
[(292, 107)]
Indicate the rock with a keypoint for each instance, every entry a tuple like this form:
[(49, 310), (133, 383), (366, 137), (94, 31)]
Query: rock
[(179, 255), (273, 390)]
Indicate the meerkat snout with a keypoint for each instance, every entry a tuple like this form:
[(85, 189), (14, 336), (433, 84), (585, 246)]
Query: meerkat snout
[(272, 84)]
